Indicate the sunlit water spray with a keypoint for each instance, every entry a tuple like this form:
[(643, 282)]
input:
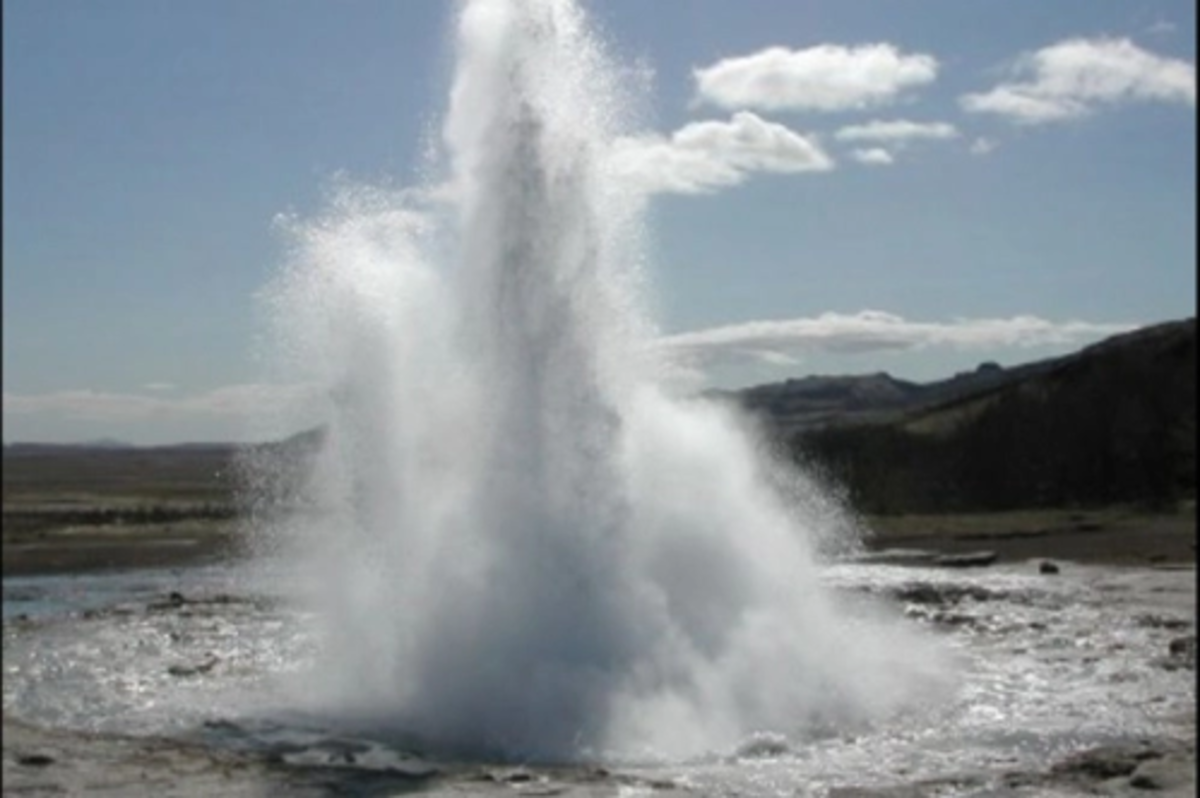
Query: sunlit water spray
[(521, 544)]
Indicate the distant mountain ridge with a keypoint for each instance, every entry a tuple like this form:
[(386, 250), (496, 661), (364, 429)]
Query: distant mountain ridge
[(1112, 423), (819, 400)]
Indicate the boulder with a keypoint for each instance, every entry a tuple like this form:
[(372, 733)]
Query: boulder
[(974, 559)]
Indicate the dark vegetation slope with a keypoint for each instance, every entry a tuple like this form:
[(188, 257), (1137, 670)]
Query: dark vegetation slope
[(1112, 424)]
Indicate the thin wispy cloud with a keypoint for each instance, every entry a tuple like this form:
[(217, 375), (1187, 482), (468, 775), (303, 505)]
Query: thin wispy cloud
[(982, 146), (1074, 78), (703, 157), (826, 77), (873, 156), (1161, 27), (85, 404), (238, 401), (784, 340), (780, 342), (896, 131)]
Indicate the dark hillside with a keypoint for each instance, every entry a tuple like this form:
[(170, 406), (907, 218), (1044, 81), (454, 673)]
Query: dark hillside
[(818, 401), (1111, 424)]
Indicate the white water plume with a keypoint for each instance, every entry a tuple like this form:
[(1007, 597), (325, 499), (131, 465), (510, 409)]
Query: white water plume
[(522, 544)]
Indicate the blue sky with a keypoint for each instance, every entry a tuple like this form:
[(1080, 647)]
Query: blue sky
[(839, 186)]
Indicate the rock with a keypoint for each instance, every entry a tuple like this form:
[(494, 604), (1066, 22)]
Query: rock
[(896, 557), (763, 745), (921, 593), (1181, 653), (35, 760), (1101, 763), (927, 593), (173, 601), (952, 784), (1171, 772), (953, 619), (1161, 621), (974, 559), (1183, 646), (517, 776), (1047, 567), (896, 791), (194, 670)]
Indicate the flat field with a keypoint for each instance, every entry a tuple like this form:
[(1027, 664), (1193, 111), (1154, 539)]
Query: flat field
[(78, 508)]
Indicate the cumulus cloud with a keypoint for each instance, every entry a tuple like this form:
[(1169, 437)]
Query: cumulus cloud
[(896, 131), (702, 157), (778, 341), (827, 77), (874, 156), (1072, 78)]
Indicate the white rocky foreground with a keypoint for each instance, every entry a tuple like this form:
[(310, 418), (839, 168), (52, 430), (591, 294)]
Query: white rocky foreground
[(1076, 682), (41, 762)]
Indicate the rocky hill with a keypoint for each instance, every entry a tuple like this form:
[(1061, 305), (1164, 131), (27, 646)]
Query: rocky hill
[(1112, 423), (818, 401)]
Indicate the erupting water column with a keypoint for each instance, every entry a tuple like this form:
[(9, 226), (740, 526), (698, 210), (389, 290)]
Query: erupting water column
[(523, 546)]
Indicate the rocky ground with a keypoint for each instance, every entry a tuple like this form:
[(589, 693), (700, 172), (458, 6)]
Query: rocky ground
[(55, 762), (45, 762), (41, 762)]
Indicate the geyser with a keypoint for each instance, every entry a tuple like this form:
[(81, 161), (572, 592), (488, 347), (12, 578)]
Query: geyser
[(520, 544)]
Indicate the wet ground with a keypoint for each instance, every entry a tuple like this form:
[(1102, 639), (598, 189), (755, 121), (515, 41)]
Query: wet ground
[(1074, 681)]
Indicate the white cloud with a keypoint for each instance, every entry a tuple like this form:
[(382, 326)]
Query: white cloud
[(875, 156), (84, 404), (702, 157), (159, 386), (827, 77), (983, 146), (1161, 27), (896, 131), (242, 401), (1072, 78), (874, 331), (772, 342)]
